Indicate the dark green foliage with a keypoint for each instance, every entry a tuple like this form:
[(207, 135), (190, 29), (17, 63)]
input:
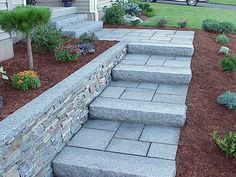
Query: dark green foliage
[(222, 39), (146, 9), (68, 53), (216, 26), (227, 144), (229, 63), (114, 14), (228, 99), (182, 23), (162, 22), (135, 22), (88, 37), (24, 19), (47, 38)]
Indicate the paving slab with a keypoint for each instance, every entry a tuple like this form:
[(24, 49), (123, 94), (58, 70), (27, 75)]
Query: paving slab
[(155, 62), (159, 57), (129, 131), (173, 89), (124, 84), (146, 85), (102, 124), (113, 92), (84, 162), (165, 98), (128, 147), (178, 64), (133, 62), (165, 135), (92, 138), (137, 57), (138, 94), (163, 151)]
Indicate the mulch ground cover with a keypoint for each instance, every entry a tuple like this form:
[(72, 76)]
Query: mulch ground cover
[(197, 155), (49, 70)]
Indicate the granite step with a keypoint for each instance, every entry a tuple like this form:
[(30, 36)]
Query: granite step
[(93, 163), (154, 74), (67, 20), (62, 11), (164, 114), (80, 28)]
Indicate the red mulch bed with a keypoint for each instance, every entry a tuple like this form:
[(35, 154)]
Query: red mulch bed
[(197, 155), (50, 71)]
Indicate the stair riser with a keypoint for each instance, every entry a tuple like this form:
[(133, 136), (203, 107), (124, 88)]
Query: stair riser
[(68, 22), (63, 12), (165, 78), (168, 50), (170, 120)]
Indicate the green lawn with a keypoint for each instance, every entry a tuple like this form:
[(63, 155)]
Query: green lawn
[(230, 2), (193, 15)]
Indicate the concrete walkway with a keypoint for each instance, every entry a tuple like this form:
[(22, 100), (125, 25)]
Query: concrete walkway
[(134, 124), (201, 4)]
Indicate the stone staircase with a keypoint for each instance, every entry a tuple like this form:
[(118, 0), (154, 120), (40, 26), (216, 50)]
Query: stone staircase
[(135, 122), (73, 24)]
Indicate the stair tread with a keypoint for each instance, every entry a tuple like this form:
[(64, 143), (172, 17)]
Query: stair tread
[(81, 26), (56, 19), (93, 163)]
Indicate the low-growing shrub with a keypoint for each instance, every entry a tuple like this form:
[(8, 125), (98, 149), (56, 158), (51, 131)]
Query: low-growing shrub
[(229, 63), (216, 26), (25, 80), (182, 23), (88, 37), (222, 39), (135, 22), (47, 38), (228, 99), (227, 144), (146, 9), (132, 8), (68, 53), (162, 22), (114, 14)]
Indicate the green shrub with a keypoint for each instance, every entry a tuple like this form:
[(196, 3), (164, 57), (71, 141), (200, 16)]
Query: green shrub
[(47, 38), (216, 26), (25, 80), (88, 37), (25, 19), (227, 27), (162, 22), (228, 99), (229, 63), (182, 23), (146, 9), (211, 25), (227, 144), (222, 39), (132, 9), (135, 22), (114, 14), (68, 53)]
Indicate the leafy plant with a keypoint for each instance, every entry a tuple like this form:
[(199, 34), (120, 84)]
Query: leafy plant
[(132, 9), (216, 26), (228, 99), (135, 22), (25, 19), (229, 63), (162, 22), (222, 39), (88, 37), (3, 74), (182, 23), (146, 9), (114, 14), (26, 80), (227, 144), (68, 53), (47, 38)]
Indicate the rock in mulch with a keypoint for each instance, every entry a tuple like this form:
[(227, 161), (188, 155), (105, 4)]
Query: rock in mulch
[(86, 48)]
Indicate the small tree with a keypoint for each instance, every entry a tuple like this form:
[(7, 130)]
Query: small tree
[(25, 19)]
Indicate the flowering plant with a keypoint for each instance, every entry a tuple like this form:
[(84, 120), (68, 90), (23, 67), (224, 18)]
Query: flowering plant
[(67, 53), (26, 80)]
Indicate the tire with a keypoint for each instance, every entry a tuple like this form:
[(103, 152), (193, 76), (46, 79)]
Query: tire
[(192, 2)]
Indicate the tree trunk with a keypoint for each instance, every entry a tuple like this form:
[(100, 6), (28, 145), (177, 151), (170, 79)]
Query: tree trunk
[(29, 50)]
